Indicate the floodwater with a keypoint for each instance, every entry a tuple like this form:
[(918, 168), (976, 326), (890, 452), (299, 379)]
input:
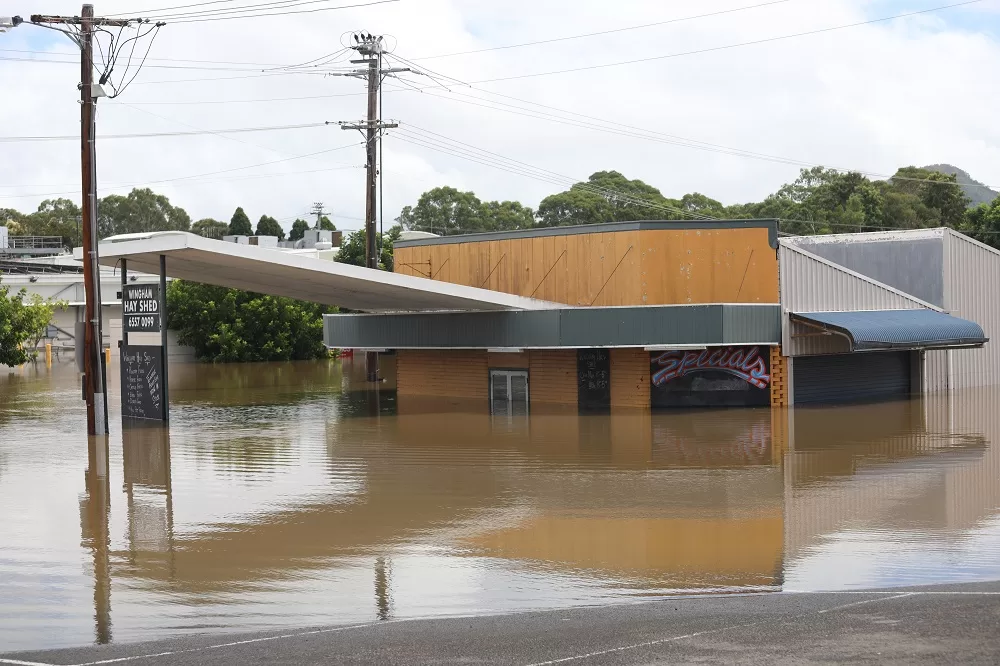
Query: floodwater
[(280, 497)]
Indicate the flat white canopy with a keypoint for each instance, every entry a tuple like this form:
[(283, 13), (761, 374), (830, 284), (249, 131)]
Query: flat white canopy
[(271, 271)]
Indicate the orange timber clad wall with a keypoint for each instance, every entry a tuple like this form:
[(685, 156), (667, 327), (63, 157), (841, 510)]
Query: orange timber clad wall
[(648, 267), (629, 378), (552, 377), (445, 374), (779, 378), (465, 373)]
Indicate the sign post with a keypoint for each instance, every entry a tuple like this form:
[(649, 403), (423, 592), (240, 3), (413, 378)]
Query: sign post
[(143, 352)]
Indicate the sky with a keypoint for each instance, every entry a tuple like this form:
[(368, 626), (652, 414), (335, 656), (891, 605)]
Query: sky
[(729, 121)]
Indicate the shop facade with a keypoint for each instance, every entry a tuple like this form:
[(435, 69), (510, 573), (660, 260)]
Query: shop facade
[(661, 315)]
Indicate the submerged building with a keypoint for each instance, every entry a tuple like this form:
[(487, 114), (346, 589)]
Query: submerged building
[(691, 313)]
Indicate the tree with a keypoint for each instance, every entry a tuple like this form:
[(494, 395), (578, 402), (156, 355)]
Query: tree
[(939, 192), (699, 205), (299, 229), (607, 196), (268, 226), (325, 224), (444, 211), (983, 223), (54, 217), (239, 225), (352, 249), (209, 228), (230, 325), (141, 211), (22, 325), (505, 216)]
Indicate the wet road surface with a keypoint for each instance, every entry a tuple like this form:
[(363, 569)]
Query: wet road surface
[(935, 624)]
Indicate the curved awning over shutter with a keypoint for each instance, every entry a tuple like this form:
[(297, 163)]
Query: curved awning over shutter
[(871, 330)]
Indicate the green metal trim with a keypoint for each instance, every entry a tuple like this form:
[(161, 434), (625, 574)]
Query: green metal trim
[(565, 328)]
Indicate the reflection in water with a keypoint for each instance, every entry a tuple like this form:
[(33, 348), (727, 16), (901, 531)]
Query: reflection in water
[(281, 497), (383, 592), (95, 509)]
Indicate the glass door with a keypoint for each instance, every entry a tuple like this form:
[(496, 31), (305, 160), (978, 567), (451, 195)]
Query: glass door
[(509, 392)]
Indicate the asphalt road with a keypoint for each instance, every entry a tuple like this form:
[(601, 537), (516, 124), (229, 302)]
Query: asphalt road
[(941, 624)]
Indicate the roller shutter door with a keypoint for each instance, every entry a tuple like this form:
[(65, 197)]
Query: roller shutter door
[(851, 377)]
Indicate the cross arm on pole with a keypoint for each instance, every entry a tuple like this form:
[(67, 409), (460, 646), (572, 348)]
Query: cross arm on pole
[(76, 20)]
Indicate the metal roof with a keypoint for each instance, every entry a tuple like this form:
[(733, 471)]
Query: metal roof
[(271, 271), (870, 330), (609, 227)]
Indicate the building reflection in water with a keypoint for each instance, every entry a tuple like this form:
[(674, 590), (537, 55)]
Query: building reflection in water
[(95, 510), (632, 503)]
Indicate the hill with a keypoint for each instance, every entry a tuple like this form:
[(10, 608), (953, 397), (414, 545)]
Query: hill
[(977, 192)]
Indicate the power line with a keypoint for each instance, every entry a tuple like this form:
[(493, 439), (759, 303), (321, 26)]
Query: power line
[(730, 46), (604, 32), (210, 62), (257, 72), (659, 137), (468, 151), (624, 129), (149, 12), (146, 135), (199, 175), (281, 13), (242, 9)]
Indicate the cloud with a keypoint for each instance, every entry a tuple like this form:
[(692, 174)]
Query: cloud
[(874, 98)]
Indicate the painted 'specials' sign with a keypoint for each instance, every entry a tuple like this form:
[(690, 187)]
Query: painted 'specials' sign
[(745, 363)]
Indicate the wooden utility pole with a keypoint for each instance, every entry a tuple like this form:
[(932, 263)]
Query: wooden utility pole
[(94, 380), (371, 48)]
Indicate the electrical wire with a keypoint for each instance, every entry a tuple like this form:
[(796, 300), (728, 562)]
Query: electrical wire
[(282, 13), (623, 129), (145, 135), (165, 9), (605, 32), (468, 151), (242, 9), (199, 175), (212, 62), (729, 46), (256, 72)]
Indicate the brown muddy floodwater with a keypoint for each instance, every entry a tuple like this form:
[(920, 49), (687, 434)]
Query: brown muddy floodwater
[(280, 497)]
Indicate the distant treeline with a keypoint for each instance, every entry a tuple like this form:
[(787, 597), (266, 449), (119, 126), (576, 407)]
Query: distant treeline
[(819, 201)]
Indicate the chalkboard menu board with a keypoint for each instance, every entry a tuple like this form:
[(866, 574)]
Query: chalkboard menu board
[(142, 383), (593, 375), (141, 308)]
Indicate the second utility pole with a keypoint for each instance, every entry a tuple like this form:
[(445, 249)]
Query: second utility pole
[(371, 48)]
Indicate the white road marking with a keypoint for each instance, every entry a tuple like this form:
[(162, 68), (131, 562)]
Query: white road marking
[(662, 641), (634, 646), (866, 601), (224, 645), (882, 596)]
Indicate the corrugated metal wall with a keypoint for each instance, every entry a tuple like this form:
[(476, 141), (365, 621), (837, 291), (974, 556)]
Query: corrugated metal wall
[(972, 279), (810, 283), (852, 378), (911, 261)]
